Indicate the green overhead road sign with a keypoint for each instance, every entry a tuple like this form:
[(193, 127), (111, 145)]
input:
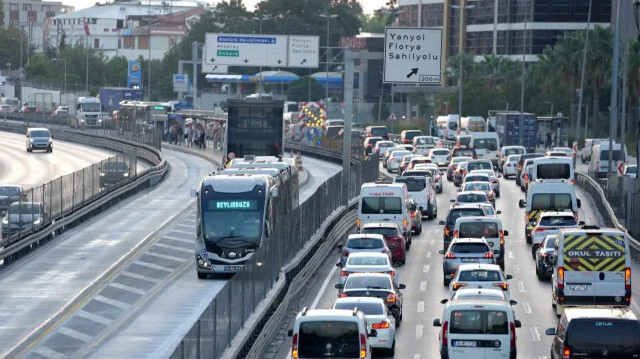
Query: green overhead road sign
[(230, 53)]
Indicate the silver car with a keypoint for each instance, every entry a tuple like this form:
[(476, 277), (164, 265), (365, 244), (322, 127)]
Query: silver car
[(435, 174), (493, 178), (357, 243), (464, 251), (367, 263), (394, 160), (440, 156)]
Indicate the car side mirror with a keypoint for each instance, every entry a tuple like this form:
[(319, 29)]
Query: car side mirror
[(340, 246), (581, 223), (458, 190), (499, 212), (517, 323), (339, 264), (441, 251), (506, 233), (452, 200), (290, 332), (436, 323), (444, 301), (402, 286), (420, 208), (2, 214), (193, 193), (499, 176), (509, 276), (497, 251), (338, 286), (550, 331), (521, 203), (373, 333), (513, 302), (441, 223), (579, 203)]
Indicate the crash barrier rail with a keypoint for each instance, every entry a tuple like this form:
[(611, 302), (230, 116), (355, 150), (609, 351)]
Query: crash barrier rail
[(225, 317), (67, 201), (593, 188), (138, 133)]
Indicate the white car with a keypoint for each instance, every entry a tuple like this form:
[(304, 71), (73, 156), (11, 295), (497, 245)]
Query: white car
[(631, 171), (435, 174), (394, 160), (367, 263), (510, 167), (479, 276), (569, 151), (548, 223), (382, 145), (378, 318), (440, 156), (494, 179)]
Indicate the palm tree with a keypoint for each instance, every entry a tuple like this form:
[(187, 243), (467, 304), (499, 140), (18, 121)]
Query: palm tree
[(599, 61)]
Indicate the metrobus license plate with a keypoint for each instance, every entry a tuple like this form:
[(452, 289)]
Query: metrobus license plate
[(465, 343), (232, 268)]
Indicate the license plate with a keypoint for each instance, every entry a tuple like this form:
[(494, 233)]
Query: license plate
[(579, 287), (465, 343), (232, 268), (469, 260)]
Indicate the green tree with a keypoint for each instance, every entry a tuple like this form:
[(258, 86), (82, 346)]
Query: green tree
[(10, 38), (373, 23), (305, 89), (1, 13), (599, 59)]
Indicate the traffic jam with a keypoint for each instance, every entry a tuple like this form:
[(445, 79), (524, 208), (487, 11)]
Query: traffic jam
[(500, 201)]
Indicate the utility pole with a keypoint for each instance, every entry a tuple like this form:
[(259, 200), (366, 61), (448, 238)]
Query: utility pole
[(524, 52), (326, 81), (613, 115), (194, 58), (584, 66)]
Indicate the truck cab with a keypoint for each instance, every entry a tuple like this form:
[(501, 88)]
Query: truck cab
[(88, 113)]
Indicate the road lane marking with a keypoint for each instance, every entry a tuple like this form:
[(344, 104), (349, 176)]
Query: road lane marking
[(178, 239), (511, 255), (429, 254), (180, 249), (164, 256), (127, 288), (526, 307), (49, 353), (153, 266), (516, 268), (521, 287), (75, 334), (535, 333), (416, 356), (419, 330), (141, 277), (420, 306), (113, 302), (423, 286), (433, 242), (425, 268), (94, 317), (323, 288)]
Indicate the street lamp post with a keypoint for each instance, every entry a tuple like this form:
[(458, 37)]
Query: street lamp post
[(326, 81), (584, 67), (260, 20), (460, 52), (524, 52), (550, 103)]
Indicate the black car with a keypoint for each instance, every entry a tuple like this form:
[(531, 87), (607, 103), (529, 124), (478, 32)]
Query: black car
[(544, 256), (8, 195), (596, 332), (458, 211), (377, 285), (23, 216), (113, 172), (521, 160)]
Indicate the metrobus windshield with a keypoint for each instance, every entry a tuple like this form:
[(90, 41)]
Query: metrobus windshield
[(232, 216)]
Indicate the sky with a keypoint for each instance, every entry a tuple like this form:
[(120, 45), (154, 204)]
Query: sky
[(368, 5)]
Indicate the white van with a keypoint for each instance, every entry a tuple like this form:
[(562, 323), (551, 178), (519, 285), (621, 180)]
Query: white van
[(447, 126), (477, 328), (553, 168), (486, 145), (421, 191), (385, 202), (591, 266), (599, 163), (472, 124), (548, 195)]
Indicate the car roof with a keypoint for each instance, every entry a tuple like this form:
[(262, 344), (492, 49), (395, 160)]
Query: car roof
[(365, 235), (38, 129), (492, 219), (599, 312), (380, 225), (366, 300), (556, 213), (467, 240), (370, 275), (474, 266), (467, 205), (328, 314), (484, 293), (368, 254)]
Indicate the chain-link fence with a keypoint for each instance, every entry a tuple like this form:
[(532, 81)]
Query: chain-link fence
[(237, 300), (31, 210)]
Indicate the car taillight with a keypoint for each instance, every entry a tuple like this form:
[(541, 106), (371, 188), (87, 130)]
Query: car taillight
[(344, 273), (541, 229), (566, 352), (488, 255), (455, 233), (450, 256), (369, 145), (519, 168), (413, 214), (382, 325), (627, 278), (501, 238), (437, 177), (294, 346), (358, 223), (404, 223), (560, 278), (526, 176), (527, 218), (343, 295), (392, 273), (456, 286), (363, 346), (384, 250), (598, 165), (346, 253), (445, 329), (504, 286), (446, 231), (391, 298), (512, 336), (508, 164), (495, 181), (490, 194), (573, 181)]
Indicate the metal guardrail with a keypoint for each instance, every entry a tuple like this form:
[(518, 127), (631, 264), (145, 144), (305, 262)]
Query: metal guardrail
[(595, 190), (73, 208)]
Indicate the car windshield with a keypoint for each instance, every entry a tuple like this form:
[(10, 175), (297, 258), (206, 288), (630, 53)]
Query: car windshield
[(464, 140), (552, 201), (488, 209), (617, 155), (440, 152), (329, 339), (424, 141), (364, 243), (553, 221), (23, 208), (463, 212), (550, 242), (40, 134), (603, 333), (385, 231), (414, 184), (632, 169), (376, 282), (400, 154), (457, 160), (379, 131), (490, 144), (115, 166), (476, 178), (9, 191), (525, 157), (479, 166), (479, 322), (381, 205), (513, 151), (367, 261), (366, 308), (411, 134), (463, 152), (471, 198), (382, 144), (478, 230), (553, 171), (478, 186), (479, 275), (417, 173), (471, 248), (91, 107)]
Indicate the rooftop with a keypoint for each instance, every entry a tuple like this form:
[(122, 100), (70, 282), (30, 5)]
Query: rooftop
[(123, 10)]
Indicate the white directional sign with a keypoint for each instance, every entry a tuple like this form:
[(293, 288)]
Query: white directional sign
[(412, 55), (304, 51), (246, 50)]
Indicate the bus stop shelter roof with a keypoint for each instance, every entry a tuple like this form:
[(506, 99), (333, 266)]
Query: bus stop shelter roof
[(201, 114)]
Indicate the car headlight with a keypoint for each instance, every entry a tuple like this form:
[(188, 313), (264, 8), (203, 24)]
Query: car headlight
[(37, 222), (99, 120), (31, 140), (126, 174), (5, 221), (102, 174)]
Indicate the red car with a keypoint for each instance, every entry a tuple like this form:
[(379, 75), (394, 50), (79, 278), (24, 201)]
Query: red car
[(393, 235)]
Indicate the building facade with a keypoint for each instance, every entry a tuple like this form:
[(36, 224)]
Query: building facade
[(31, 17)]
